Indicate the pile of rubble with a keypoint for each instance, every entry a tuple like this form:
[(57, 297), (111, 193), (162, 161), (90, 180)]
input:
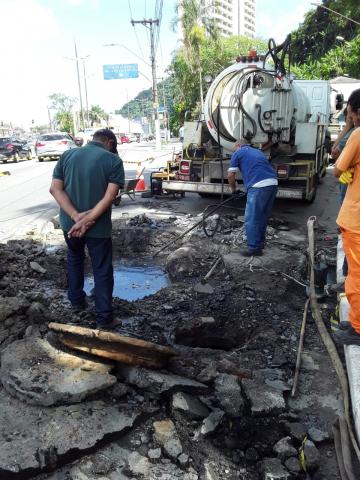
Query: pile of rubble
[(220, 409)]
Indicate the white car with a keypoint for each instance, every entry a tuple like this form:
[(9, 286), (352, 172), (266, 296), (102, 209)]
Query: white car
[(52, 145), (133, 137)]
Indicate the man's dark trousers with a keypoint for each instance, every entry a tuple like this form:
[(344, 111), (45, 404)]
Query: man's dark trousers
[(258, 209), (100, 251)]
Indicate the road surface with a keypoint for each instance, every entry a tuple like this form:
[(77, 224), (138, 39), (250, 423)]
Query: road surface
[(26, 202)]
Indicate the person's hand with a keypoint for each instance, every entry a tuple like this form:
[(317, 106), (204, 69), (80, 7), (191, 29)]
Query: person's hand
[(347, 176), (335, 153), (79, 216), (80, 228)]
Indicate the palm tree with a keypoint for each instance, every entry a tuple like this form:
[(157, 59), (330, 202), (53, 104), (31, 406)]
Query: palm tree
[(96, 114)]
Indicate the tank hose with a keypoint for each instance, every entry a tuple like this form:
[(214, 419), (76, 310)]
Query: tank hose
[(268, 132)]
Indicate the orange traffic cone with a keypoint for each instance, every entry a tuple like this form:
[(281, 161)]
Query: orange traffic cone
[(140, 186)]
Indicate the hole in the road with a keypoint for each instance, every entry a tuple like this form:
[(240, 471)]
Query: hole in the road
[(210, 336), (134, 279)]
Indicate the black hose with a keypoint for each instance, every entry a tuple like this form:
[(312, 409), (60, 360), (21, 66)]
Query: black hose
[(274, 51), (192, 228), (268, 132)]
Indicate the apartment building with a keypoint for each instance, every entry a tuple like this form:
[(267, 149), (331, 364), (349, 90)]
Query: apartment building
[(232, 17)]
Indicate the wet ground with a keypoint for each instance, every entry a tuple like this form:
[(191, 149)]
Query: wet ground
[(238, 343)]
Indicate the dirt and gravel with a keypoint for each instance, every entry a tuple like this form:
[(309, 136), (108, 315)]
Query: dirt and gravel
[(221, 409)]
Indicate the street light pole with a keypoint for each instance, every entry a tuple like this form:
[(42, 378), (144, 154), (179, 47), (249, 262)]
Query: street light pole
[(152, 22), (79, 85)]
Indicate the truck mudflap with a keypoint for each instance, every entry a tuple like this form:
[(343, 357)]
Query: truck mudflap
[(216, 188)]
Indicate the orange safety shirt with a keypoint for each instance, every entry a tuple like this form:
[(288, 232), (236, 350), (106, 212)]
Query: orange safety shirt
[(349, 215)]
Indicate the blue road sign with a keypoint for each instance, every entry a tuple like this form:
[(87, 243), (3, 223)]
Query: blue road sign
[(162, 110), (120, 70)]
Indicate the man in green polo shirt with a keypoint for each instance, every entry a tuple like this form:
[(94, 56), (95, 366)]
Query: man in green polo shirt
[(85, 183)]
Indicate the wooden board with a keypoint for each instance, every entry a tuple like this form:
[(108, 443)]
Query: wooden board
[(114, 346)]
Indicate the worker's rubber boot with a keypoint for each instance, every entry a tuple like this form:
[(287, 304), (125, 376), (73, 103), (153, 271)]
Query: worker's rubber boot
[(116, 322), (347, 337), (79, 307), (248, 252)]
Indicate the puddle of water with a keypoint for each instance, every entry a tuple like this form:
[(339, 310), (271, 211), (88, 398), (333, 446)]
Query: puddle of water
[(134, 280)]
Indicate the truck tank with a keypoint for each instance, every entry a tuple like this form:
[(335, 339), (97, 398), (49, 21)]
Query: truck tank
[(250, 100)]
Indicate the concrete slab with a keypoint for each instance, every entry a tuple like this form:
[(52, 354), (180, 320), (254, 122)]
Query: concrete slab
[(38, 373), (271, 256), (352, 352), (159, 382), (34, 438)]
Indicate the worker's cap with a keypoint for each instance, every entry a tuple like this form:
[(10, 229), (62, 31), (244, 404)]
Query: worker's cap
[(107, 133)]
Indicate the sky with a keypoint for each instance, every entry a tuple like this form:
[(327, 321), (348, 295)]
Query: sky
[(37, 49)]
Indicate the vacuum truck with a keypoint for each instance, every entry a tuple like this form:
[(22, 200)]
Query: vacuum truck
[(260, 101)]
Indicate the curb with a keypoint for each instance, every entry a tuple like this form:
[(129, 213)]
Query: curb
[(352, 352)]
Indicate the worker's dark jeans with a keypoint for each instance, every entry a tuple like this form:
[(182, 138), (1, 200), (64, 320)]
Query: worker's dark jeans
[(100, 251), (258, 209)]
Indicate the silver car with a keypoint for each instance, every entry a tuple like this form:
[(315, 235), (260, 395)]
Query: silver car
[(52, 145)]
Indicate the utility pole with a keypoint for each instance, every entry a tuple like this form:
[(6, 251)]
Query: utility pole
[(86, 94), (79, 84), (151, 24)]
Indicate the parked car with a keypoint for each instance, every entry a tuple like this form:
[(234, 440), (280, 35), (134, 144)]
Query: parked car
[(123, 139), (133, 137), (147, 137), (53, 145), (14, 149)]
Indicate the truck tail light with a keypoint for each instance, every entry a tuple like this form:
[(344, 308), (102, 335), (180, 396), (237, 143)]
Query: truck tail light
[(184, 167), (282, 171)]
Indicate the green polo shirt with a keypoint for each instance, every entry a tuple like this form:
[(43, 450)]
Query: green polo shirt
[(86, 173)]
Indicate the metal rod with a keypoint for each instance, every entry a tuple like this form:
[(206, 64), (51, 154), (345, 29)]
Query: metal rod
[(192, 228), (300, 348)]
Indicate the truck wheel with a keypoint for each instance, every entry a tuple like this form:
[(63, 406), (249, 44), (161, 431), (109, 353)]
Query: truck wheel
[(314, 191), (40, 159)]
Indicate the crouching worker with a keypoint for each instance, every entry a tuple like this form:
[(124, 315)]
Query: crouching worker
[(85, 183), (261, 184)]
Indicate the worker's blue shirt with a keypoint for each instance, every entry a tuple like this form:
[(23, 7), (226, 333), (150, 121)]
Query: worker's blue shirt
[(253, 165), (86, 173)]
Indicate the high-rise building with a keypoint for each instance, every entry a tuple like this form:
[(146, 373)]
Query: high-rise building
[(232, 17)]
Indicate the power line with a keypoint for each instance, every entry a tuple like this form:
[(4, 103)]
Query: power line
[(159, 16), (149, 24), (136, 35)]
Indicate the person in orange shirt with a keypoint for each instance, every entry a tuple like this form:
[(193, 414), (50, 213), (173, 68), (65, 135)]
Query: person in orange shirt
[(347, 169)]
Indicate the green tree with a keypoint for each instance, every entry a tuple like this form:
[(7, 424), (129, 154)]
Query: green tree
[(340, 60), (213, 58), (321, 29), (96, 114), (63, 107)]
